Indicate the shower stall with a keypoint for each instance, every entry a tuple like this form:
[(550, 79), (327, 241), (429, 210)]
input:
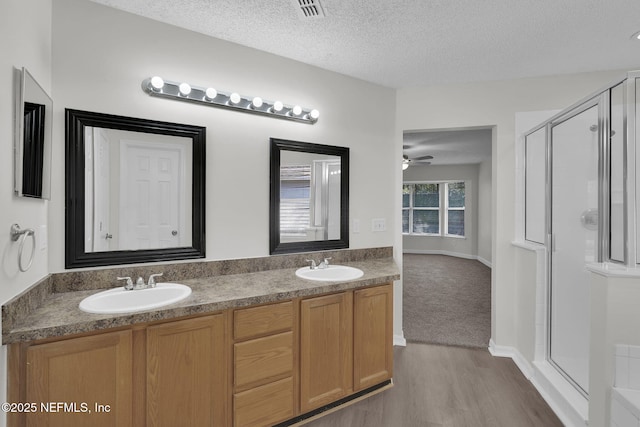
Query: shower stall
[(581, 203)]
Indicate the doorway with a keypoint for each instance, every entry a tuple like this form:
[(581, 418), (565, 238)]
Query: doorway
[(447, 236)]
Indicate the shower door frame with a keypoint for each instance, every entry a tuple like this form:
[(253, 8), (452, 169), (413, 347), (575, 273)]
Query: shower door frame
[(600, 101)]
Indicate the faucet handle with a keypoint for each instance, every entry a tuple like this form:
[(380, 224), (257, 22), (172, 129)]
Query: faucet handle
[(129, 285), (326, 261), (152, 280), (313, 263)]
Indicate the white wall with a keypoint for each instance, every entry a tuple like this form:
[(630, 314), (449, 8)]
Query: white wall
[(101, 56), (467, 246), (484, 212), (495, 104), (25, 40)]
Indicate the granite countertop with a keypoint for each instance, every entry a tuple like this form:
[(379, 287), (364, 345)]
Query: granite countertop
[(59, 314)]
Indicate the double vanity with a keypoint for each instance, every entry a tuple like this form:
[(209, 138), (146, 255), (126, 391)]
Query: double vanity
[(256, 342)]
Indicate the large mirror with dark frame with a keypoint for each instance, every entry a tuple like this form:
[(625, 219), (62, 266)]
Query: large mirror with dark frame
[(135, 190), (309, 197)]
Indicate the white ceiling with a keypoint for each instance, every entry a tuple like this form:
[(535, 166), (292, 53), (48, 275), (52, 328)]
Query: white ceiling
[(403, 43)]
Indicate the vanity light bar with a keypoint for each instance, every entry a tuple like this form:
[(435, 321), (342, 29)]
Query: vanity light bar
[(156, 86)]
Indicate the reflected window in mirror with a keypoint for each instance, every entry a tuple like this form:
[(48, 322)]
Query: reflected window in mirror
[(309, 197), (135, 190)]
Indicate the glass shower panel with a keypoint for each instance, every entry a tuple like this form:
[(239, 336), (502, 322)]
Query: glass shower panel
[(574, 242)]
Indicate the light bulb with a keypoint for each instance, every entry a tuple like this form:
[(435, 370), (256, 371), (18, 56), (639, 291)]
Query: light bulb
[(314, 114), (405, 165), (277, 106), (235, 98), (157, 83), (257, 102), (210, 93), (185, 89), (296, 110)]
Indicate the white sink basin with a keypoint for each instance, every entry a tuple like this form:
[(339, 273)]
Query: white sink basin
[(331, 273), (119, 300)]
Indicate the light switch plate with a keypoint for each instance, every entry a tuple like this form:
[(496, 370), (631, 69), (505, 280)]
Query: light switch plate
[(42, 237), (378, 224)]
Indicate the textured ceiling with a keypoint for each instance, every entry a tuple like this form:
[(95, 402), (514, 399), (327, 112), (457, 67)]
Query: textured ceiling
[(403, 43)]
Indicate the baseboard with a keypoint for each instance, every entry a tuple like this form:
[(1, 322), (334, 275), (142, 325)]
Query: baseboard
[(571, 410), (399, 340), (484, 261), (521, 362), (448, 253)]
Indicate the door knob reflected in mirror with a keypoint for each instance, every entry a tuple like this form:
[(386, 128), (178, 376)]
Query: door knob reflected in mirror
[(174, 233)]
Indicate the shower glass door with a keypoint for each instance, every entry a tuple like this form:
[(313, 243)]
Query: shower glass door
[(574, 241)]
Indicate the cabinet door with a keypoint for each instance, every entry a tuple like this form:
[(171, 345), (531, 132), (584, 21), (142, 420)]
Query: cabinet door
[(71, 378), (186, 373), (372, 336), (326, 352)]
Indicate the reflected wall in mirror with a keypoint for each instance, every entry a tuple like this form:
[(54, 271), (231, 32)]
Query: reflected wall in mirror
[(309, 197), (32, 143), (134, 190)]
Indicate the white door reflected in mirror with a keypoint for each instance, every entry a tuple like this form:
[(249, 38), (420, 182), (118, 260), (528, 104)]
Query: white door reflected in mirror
[(137, 190)]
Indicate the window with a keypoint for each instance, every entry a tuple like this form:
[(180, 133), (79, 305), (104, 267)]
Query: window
[(295, 185), (433, 208)]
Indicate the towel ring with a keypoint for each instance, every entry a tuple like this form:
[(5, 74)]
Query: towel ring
[(16, 233)]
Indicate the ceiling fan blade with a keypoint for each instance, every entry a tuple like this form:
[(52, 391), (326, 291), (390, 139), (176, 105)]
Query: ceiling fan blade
[(423, 158)]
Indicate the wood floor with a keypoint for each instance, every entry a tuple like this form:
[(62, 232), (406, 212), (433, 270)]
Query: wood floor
[(452, 387)]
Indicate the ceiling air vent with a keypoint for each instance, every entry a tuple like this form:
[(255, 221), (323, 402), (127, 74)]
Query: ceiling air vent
[(309, 9)]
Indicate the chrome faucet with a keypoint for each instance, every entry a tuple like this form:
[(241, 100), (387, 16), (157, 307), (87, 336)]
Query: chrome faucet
[(322, 265), (325, 263), (152, 280), (139, 284), (130, 286)]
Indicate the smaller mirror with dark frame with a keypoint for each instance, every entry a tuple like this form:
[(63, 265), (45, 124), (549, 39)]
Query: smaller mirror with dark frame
[(135, 190), (309, 197), (32, 145)]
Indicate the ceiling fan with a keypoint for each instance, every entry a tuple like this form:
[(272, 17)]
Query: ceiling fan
[(406, 161)]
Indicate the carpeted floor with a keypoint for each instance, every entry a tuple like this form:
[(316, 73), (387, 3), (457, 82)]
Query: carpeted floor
[(446, 300)]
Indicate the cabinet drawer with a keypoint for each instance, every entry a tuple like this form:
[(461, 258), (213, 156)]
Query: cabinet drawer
[(265, 405), (253, 322), (262, 360)]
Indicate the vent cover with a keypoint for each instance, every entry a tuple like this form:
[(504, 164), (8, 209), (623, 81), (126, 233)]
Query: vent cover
[(309, 9)]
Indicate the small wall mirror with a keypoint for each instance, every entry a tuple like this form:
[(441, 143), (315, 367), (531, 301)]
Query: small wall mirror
[(32, 142), (309, 197), (135, 190)]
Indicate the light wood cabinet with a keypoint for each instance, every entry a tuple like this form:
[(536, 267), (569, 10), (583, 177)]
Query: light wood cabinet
[(372, 336), (264, 364), (186, 373), (326, 349), (79, 374), (255, 366)]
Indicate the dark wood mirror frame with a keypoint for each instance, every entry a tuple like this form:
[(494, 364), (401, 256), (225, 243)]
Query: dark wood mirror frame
[(275, 245), (75, 255)]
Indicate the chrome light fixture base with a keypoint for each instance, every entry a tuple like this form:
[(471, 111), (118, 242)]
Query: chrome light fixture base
[(156, 86)]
